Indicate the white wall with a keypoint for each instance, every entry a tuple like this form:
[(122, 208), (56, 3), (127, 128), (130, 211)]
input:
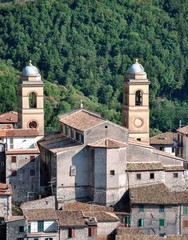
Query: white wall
[(21, 142)]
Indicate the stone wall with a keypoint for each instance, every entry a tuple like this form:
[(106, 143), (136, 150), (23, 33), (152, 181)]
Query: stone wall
[(151, 216), (24, 175), (12, 229)]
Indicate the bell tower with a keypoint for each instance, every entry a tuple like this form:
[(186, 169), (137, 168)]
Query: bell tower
[(31, 99), (136, 103)]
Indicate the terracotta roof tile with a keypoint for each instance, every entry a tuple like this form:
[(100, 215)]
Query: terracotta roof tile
[(75, 206), (81, 119), (183, 130), (102, 216), (157, 194), (108, 143), (19, 132), (9, 117), (5, 189), (174, 168), (22, 151), (40, 214), (140, 166), (163, 138), (71, 218)]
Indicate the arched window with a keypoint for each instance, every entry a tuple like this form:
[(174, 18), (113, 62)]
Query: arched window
[(138, 98), (32, 100)]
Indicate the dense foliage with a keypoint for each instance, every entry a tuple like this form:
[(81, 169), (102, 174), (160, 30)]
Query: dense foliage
[(87, 46)]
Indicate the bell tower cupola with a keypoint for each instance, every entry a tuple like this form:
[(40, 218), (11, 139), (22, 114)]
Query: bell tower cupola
[(136, 103), (31, 99)]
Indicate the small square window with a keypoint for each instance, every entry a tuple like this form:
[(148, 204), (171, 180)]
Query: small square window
[(161, 208), (112, 172), (141, 208), (138, 176), (21, 228), (32, 172), (140, 222), (175, 175), (152, 175), (13, 159)]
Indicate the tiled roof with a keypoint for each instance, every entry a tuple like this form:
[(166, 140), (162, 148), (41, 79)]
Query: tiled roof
[(163, 138), (81, 119), (6, 126), (40, 214), (183, 130), (157, 194), (140, 166), (5, 189), (22, 151), (108, 143), (14, 218), (102, 216), (19, 132), (135, 142), (58, 143), (85, 207), (174, 168), (9, 117), (71, 218)]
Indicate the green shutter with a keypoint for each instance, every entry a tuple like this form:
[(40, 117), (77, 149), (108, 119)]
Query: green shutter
[(185, 210), (127, 220), (29, 228), (40, 226), (141, 208), (161, 222), (140, 222)]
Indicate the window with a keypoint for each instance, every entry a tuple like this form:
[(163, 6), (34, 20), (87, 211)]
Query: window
[(71, 233), (73, 170), (175, 175), (138, 176), (13, 173), (48, 238), (185, 210), (127, 220), (141, 208), (13, 159), (161, 148), (161, 208), (40, 226), (140, 222), (152, 176), (138, 98), (77, 136), (139, 139), (91, 232), (161, 222), (32, 172), (112, 172), (32, 158), (20, 238), (11, 143), (29, 228), (21, 228), (185, 223), (82, 138)]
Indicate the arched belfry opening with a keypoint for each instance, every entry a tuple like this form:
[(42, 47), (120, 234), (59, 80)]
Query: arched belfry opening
[(138, 98), (32, 100)]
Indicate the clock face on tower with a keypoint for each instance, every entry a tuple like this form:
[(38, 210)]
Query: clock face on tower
[(32, 124)]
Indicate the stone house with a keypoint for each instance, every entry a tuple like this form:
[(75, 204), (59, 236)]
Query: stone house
[(15, 228), (5, 201), (166, 142), (157, 210)]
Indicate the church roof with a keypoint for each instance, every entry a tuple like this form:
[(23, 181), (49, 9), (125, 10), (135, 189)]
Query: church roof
[(30, 70), (163, 138), (81, 119), (183, 130), (136, 68), (58, 142), (9, 117), (108, 143)]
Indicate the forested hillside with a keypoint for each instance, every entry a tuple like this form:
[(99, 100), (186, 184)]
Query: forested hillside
[(87, 46)]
